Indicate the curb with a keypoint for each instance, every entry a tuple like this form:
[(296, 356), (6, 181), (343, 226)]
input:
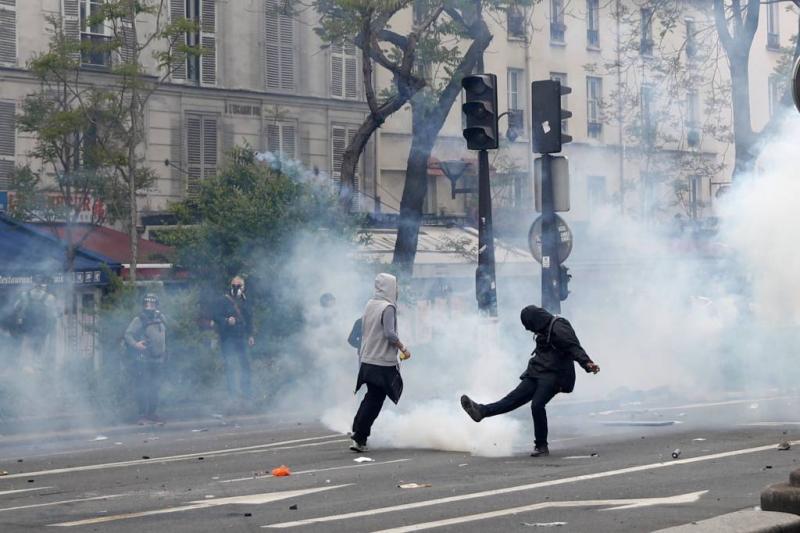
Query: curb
[(783, 497), (746, 521)]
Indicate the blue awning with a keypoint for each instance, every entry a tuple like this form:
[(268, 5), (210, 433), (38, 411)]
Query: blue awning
[(25, 252)]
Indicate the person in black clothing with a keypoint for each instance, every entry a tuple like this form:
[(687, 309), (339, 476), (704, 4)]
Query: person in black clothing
[(234, 321), (146, 339), (551, 370)]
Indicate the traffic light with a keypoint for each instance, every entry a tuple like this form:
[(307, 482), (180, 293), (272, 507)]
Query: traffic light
[(547, 116), (480, 108), (563, 282)]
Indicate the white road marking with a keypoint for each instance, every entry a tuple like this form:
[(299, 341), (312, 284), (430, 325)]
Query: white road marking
[(167, 459), (61, 502), (3, 493), (519, 488), (770, 424), (620, 504), (316, 470), (251, 499), (300, 446), (696, 405)]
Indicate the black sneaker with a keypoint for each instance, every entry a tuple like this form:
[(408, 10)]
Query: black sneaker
[(540, 451), (359, 448), (472, 408)]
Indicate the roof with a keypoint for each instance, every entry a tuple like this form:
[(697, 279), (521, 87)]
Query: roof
[(444, 251), (25, 252), (111, 243)]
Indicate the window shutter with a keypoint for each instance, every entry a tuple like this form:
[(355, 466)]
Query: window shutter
[(71, 17), (289, 140), (8, 32), (208, 40), (177, 11), (210, 146), (7, 143), (279, 58), (337, 70), (127, 51), (194, 154), (338, 145), (350, 71)]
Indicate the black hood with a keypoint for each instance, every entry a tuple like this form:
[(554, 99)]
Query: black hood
[(535, 318)]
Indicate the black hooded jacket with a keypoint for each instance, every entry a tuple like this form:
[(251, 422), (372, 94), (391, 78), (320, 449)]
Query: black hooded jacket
[(557, 347)]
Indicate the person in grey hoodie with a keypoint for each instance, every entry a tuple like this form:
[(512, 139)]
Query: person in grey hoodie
[(146, 338), (379, 367)]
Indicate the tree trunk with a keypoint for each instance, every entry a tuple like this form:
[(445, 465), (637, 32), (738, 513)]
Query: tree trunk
[(133, 140), (742, 127)]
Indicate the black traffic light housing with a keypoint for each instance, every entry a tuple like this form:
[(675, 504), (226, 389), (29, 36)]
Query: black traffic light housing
[(547, 116), (563, 282), (480, 108)]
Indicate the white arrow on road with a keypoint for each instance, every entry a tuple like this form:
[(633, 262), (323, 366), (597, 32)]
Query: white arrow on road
[(690, 497), (252, 499)]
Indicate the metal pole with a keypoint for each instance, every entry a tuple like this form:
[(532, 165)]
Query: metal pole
[(485, 282), (550, 260)]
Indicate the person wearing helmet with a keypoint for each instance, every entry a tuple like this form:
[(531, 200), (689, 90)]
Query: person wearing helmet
[(234, 321), (551, 370), (35, 319), (146, 338)]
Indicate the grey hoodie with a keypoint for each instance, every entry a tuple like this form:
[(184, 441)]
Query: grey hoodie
[(379, 324)]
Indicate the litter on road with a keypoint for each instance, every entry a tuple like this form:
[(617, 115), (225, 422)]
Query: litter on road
[(100, 437), (201, 430), (784, 446), (364, 460), (414, 485), (676, 453), (281, 471), (545, 524)]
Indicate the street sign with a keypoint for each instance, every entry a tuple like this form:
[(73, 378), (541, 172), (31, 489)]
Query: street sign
[(559, 175), (564, 240)]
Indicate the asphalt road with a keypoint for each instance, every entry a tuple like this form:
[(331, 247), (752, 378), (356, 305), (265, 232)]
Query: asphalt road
[(212, 475)]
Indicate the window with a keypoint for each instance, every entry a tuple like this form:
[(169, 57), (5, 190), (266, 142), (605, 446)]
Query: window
[(775, 90), (344, 71), (95, 35), (340, 138), (646, 43), (691, 39), (561, 77), (594, 102), (282, 139), (8, 32), (203, 69), (7, 143), (693, 109), (279, 45), (515, 21), (202, 149), (557, 26), (648, 119), (773, 27), (514, 84), (593, 23), (697, 195), (596, 192)]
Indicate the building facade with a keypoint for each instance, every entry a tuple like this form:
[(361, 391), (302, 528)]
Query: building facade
[(651, 142)]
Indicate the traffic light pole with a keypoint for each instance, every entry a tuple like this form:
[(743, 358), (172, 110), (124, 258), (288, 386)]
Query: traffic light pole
[(550, 260), (485, 281)]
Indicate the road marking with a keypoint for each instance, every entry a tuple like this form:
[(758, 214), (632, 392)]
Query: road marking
[(251, 499), (317, 470), (770, 424), (695, 405), (167, 459), (619, 504), (61, 502), (22, 490), (300, 446), (519, 488)]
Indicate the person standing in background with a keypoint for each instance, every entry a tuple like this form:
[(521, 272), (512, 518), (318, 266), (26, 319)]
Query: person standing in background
[(146, 338), (234, 322)]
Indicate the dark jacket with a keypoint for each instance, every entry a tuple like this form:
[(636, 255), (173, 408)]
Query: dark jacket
[(150, 329), (557, 348), (238, 308)]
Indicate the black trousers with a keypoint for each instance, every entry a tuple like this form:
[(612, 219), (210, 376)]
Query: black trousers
[(368, 411), (538, 391), (148, 383), (234, 353)]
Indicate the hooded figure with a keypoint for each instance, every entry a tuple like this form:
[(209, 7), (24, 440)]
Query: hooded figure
[(551, 370), (379, 367)]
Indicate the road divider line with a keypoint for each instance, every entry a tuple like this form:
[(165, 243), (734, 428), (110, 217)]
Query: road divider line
[(61, 502), (167, 459), (312, 444), (519, 488), (361, 465), (250, 499), (3, 493), (691, 497)]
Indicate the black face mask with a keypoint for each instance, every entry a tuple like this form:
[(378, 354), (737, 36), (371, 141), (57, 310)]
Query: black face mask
[(150, 313), (237, 290)]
